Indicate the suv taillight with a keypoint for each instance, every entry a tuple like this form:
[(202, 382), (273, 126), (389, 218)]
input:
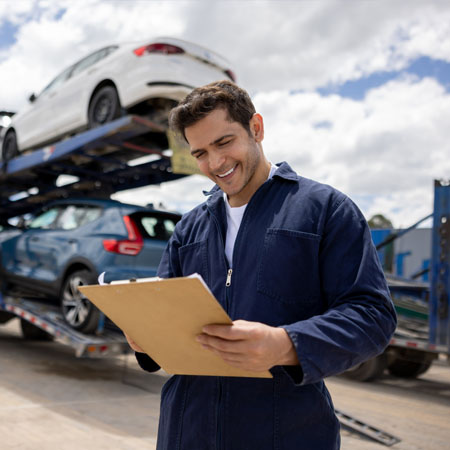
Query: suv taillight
[(158, 47), (131, 246)]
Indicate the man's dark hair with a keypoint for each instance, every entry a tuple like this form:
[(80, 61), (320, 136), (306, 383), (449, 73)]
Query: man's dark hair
[(203, 100)]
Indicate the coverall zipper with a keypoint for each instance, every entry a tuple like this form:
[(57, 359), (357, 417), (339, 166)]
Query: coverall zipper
[(219, 379), (228, 283), (229, 270)]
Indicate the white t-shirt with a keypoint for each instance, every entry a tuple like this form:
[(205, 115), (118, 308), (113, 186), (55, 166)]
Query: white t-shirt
[(234, 219)]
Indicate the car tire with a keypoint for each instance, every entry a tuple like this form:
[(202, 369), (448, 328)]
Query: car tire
[(9, 146), (408, 369), (369, 370), (104, 107), (78, 312)]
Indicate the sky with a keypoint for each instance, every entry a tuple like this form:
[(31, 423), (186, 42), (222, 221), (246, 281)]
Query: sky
[(355, 94)]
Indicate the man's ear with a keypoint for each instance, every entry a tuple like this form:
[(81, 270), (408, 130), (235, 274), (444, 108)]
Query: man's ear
[(257, 127)]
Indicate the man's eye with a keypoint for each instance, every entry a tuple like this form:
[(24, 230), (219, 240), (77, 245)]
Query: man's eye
[(199, 155), (223, 143)]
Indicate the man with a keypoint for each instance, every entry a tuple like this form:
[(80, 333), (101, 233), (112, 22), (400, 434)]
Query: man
[(293, 264)]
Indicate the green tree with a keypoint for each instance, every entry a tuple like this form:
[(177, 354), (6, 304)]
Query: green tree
[(379, 221)]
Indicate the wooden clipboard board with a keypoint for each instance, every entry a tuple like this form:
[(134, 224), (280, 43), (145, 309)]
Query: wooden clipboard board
[(163, 316)]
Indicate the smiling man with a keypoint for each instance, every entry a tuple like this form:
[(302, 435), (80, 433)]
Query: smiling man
[(292, 262)]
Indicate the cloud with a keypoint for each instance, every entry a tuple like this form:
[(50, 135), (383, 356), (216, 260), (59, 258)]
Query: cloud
[(273, 45), (394, 141), (383, 150)]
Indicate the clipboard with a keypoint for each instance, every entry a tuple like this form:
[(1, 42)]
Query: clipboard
[(164, 316)]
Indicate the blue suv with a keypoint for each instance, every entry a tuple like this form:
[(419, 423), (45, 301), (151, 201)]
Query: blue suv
[(70, 242)]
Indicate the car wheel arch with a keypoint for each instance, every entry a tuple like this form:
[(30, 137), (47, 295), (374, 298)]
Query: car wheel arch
[(75, 266), (77, 311), (101, 84)]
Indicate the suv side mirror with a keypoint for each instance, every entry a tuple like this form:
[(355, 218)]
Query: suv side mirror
[(32, 97)]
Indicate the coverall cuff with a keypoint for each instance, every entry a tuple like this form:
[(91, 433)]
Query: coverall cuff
[(298, 374), (146, 362)]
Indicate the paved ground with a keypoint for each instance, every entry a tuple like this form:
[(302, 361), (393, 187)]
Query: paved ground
[(49, 400)]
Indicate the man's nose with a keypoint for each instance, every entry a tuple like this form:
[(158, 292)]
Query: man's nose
[(216, 162)]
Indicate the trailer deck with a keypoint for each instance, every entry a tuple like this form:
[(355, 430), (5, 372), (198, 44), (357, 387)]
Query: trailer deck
[(47, 317), (103, 161)]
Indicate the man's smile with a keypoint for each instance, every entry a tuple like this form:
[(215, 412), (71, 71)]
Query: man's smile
[(229, 172)]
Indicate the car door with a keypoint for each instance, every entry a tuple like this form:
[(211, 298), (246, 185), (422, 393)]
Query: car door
[(50, 243), (37, 123), (31, 249)]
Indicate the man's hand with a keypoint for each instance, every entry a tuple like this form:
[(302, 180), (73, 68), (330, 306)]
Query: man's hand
[(133, 344), (249, 345)]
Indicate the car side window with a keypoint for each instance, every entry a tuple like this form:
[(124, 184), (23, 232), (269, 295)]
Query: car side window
[(74, 216), (45, 220), (60, 79), (90, 60), (90, 214), (67, 220), (111, 49)]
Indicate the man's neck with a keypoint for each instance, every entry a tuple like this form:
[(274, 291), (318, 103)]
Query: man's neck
[(258, 178)]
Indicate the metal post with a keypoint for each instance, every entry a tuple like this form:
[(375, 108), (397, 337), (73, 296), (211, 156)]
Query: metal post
[(440, 267)]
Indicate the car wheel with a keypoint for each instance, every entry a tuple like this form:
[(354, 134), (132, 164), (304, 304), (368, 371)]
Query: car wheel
[(104, 107), (9, 147), (408, 369), (77, 310), (369, 370)]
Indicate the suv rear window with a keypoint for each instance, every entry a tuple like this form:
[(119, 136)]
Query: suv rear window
[(156, 226)]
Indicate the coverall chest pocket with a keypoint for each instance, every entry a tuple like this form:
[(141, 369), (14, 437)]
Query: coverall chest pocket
[(288, 269), (194, 259)]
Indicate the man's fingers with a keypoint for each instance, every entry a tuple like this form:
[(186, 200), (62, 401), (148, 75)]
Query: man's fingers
[(229, 357), (222, 331), (240, 329), (223, 345)]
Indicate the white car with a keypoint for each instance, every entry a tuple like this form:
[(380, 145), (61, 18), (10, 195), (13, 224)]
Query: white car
[(134, 78)]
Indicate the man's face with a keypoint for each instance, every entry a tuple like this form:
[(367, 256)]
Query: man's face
[(228, 155)]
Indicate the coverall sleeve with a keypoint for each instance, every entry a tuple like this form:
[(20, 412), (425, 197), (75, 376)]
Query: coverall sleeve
[(168, 268), (360, 318)]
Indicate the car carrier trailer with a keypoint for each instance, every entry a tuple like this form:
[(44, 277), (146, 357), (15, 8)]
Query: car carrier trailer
[(101, 161)]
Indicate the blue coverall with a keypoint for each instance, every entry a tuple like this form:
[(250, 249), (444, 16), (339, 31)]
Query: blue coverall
[(304, 260)]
